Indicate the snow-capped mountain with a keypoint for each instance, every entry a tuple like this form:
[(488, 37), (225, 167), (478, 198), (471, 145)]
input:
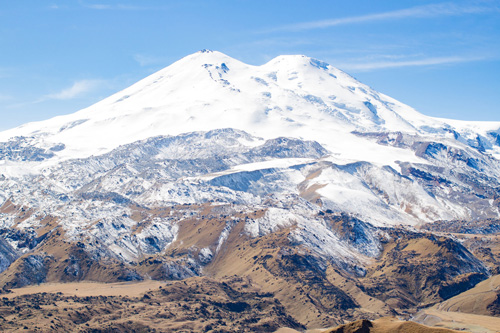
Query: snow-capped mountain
[(293, 96), (210, 152), (290, 96)]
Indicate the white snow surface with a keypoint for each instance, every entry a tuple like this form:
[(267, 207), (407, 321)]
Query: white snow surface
[(292, 96)]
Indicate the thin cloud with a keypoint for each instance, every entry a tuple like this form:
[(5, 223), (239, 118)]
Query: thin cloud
[(102, 6), (99, 6), (274, 42), (369, 66), (78, 89), (110, 7), (427, 11)]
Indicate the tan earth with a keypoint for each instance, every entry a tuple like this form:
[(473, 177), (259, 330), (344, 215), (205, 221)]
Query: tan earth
[(475, 310), (386, 325), (460, 321), (142, 306), (191, 305), (82, 289)]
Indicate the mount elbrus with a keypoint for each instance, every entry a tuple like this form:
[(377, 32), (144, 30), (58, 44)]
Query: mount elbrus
[(326, 197)]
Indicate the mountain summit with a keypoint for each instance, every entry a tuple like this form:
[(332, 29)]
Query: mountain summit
[(289, 96)]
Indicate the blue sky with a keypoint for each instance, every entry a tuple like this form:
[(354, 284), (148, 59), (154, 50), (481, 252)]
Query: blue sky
[(56, 57)]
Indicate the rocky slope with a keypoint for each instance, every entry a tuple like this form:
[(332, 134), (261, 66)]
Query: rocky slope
[(195, 305), (321, 191)]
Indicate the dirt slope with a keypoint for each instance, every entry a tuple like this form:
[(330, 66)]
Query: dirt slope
[(386, 325), (192, 305)]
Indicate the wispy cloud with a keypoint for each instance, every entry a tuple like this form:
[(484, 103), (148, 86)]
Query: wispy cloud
[(427, 11), (369, 66), (88, 88), (78, 89), (119, 6), (107, 7)]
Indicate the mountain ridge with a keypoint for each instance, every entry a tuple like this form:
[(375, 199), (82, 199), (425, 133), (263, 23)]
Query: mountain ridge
[(290, 95)]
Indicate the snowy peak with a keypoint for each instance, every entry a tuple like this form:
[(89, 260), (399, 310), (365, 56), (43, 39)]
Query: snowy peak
[(207, 57), (291, 95), (290, 61)]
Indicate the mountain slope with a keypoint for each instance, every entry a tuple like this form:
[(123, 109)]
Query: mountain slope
[(291, 174)]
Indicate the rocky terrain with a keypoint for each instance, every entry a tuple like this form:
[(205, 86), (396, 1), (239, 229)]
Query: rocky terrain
[(287, 194), (411, 269), (194, 305)]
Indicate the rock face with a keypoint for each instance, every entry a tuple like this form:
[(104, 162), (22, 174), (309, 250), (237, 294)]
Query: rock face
[(292, 174)]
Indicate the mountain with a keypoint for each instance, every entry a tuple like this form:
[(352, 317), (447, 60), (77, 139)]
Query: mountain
[(325, 194), (289, 96)]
